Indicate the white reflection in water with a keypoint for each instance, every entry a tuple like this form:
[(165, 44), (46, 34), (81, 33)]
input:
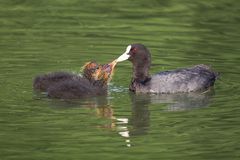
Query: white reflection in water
[(123, 130)]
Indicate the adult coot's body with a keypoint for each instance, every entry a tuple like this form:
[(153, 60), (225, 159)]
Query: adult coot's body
[(196, 78)]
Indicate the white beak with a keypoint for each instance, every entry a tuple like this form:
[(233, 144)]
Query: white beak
[(125, 55)]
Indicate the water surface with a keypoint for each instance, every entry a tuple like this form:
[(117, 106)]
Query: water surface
[(43, 36)]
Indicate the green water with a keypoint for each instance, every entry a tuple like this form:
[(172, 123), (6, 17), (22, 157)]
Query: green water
[(44, 36)]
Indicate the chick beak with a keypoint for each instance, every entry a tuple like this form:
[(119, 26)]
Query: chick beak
[(110, 67)]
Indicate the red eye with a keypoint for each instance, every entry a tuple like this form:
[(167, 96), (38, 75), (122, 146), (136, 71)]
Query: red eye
[(133, 49)]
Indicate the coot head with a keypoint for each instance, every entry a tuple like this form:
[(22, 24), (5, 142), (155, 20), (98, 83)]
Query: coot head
[(136, 53), (140, 57), (98, 72)]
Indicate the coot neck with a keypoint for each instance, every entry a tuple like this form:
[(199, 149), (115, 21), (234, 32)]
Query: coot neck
[(141, 75), (141, 72)]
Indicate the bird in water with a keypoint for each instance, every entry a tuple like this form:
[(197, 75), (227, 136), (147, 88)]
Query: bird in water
[(66, 85), (196, 78)]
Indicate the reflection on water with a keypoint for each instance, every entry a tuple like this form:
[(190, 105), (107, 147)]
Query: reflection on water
[(44, 36), (139, 121), (102, 108), (180, 101)]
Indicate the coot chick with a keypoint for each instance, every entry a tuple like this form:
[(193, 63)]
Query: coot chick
[(68, 85), (43, 82), (196, 78)]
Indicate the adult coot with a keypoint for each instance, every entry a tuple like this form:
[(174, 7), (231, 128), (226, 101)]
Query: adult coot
[(196, 78)]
